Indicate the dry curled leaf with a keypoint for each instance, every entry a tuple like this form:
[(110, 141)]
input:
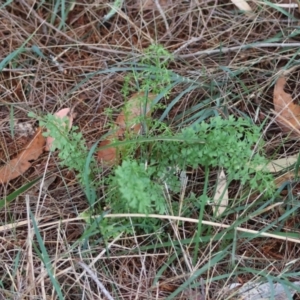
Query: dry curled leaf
[(287, 113), (127, 120), (221, 196), (265, 291), (17, 166), (289, 176), (107, 156), (65, 112), (280, 164), (242, 5), (134, 108)]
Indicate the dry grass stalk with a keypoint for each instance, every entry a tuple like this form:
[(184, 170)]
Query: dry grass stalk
[(229, 51)]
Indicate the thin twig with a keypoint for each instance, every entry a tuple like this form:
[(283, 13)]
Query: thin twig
[(94, 277), (20, 70), (191, 41), (215, 224), (76, 42), (165, 217), (30, 265), (100, 255), (284, 5), (238, 48), (164, 17)]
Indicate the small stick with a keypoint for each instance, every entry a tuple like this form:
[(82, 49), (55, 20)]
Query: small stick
[(191, 41), (164, 17), (238, 48), (94, 277), (163, 217)]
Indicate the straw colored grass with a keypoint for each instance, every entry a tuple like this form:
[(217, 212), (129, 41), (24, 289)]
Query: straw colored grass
[(236, 56)]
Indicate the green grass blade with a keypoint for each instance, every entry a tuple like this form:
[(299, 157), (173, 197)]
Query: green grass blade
[(6, 3), (46, 259), (175, 100), (37, 51), (63, 14), (164, 268), (297, 165), (114, 8), (90, 191), (204, 199), (10, 57), (64, 11), (18, 192), (163, 93), (282, 10), (54, 12), (18, 51), (199, 116), (210, 264), (206, 114)]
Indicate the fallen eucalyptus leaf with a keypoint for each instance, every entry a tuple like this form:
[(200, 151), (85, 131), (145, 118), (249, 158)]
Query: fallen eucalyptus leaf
[(287, 113), (242, 5), (19, 165), (280, 164), (220, 200), (266, 291), (127, 121)]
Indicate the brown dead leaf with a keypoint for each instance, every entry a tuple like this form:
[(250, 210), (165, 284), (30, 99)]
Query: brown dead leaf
[(108, 156), (287, 113), (134, 108), (288, 176), (22, 162), (127, 120)]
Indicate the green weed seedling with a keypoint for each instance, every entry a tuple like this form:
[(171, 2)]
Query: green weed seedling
[(225, 143), (71, 146), (154, 77), (138, 185)]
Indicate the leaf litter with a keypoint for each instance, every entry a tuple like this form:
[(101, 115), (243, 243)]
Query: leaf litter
[(19, 165), (208, 41), (287, 113), (264, 291), (221, 196), (127, 121), (288, 119)]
